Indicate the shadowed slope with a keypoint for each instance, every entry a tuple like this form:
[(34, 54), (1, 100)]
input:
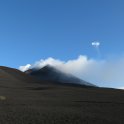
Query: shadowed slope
[(51, 73)]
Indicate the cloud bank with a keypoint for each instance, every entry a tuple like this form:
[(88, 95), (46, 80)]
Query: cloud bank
[(106, 73)]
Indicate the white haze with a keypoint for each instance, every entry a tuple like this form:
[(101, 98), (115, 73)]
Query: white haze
[(106, 73)]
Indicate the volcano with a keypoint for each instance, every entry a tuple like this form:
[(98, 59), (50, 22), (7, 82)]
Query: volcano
[(50, 73)]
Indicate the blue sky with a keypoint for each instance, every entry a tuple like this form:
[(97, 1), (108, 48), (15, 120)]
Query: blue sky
[(35, 29), (31, 30)]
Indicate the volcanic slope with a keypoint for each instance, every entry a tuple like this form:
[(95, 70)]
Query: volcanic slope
[(13, 76), (51, 73), (24, 101)]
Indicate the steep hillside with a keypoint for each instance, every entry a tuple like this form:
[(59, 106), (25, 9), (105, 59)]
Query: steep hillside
[(51, 73)]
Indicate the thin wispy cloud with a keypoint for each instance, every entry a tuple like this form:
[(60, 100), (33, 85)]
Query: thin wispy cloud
[(96, 45)]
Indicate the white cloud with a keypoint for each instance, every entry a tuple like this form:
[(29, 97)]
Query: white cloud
[(96, 43), (24, 68), (100, 72)]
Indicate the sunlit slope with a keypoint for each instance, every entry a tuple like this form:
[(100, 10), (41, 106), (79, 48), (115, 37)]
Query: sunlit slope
[(13, 77)]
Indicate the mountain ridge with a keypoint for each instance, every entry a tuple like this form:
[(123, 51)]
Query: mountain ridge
[(49, 72)]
